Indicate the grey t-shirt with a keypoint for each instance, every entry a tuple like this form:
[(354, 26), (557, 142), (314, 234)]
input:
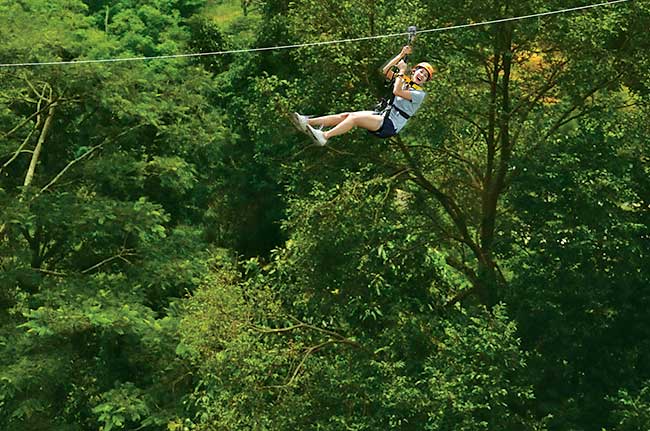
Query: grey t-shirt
[(408, 106)]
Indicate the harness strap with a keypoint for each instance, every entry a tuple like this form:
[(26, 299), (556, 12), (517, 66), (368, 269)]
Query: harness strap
[(399, 111), (391, 105), (385, 105), (410, 83)]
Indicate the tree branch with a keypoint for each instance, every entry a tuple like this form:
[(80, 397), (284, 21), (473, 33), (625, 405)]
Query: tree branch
[(470, 168), (39, 145), (451, 208), (308, 353), (460, 266), (38, 112), (566, 117), (48, 272), (548, 86), (300, 324), (478, 127), (335, 338), (67, 167), (277, 330), (19, 150), (121, 255)]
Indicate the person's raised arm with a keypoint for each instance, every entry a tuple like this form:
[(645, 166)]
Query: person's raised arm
[(387, 69), (398, 87)]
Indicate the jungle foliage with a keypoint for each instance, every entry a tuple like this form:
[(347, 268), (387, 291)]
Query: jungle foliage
[(175, 256)]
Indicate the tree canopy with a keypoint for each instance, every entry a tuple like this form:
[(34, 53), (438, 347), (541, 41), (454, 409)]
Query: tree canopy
[(175, 256)]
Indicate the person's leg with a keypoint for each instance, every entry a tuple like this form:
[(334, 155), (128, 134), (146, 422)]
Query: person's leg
[(368, 120), (328, 120)]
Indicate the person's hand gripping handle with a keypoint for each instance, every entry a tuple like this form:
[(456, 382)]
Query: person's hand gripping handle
[(401, 65)]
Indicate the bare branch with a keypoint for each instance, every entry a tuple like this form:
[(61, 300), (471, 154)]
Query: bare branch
[(277, 330), (48, 272), (462, 267), (39, 121), (334, 338), (308, 353), (567, 116), (19, 150), (451, 208), (33, 88), (121, 255), (529, 103), (26, 120), (39, 145), (478, 127), (296, 371), (68, 166), (470, 168), (300, 324)]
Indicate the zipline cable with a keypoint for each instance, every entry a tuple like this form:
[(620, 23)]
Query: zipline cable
[(309, 44)]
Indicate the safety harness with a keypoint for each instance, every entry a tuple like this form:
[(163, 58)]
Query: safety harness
[(385, 105)]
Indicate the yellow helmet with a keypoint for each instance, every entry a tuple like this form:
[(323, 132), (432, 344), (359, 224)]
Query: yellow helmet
[(426, 66)]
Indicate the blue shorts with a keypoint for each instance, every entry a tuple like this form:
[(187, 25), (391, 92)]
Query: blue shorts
[(386, 130)]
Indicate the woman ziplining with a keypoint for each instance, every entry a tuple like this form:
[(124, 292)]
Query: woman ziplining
[(387, 120)]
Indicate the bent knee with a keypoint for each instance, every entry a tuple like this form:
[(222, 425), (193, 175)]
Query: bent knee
[(354, 116)]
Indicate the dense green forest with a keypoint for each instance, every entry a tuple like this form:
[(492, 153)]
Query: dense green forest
[(175, 256)]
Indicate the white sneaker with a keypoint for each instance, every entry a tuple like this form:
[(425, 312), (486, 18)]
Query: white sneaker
[(318, 136), (300, 121)]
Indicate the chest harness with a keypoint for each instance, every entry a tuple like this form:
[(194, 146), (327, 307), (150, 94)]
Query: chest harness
[(385, 105)]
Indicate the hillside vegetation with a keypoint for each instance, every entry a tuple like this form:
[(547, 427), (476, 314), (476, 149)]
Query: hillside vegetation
[(175, 256)]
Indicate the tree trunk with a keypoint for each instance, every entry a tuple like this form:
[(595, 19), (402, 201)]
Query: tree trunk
[(39, 145)]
